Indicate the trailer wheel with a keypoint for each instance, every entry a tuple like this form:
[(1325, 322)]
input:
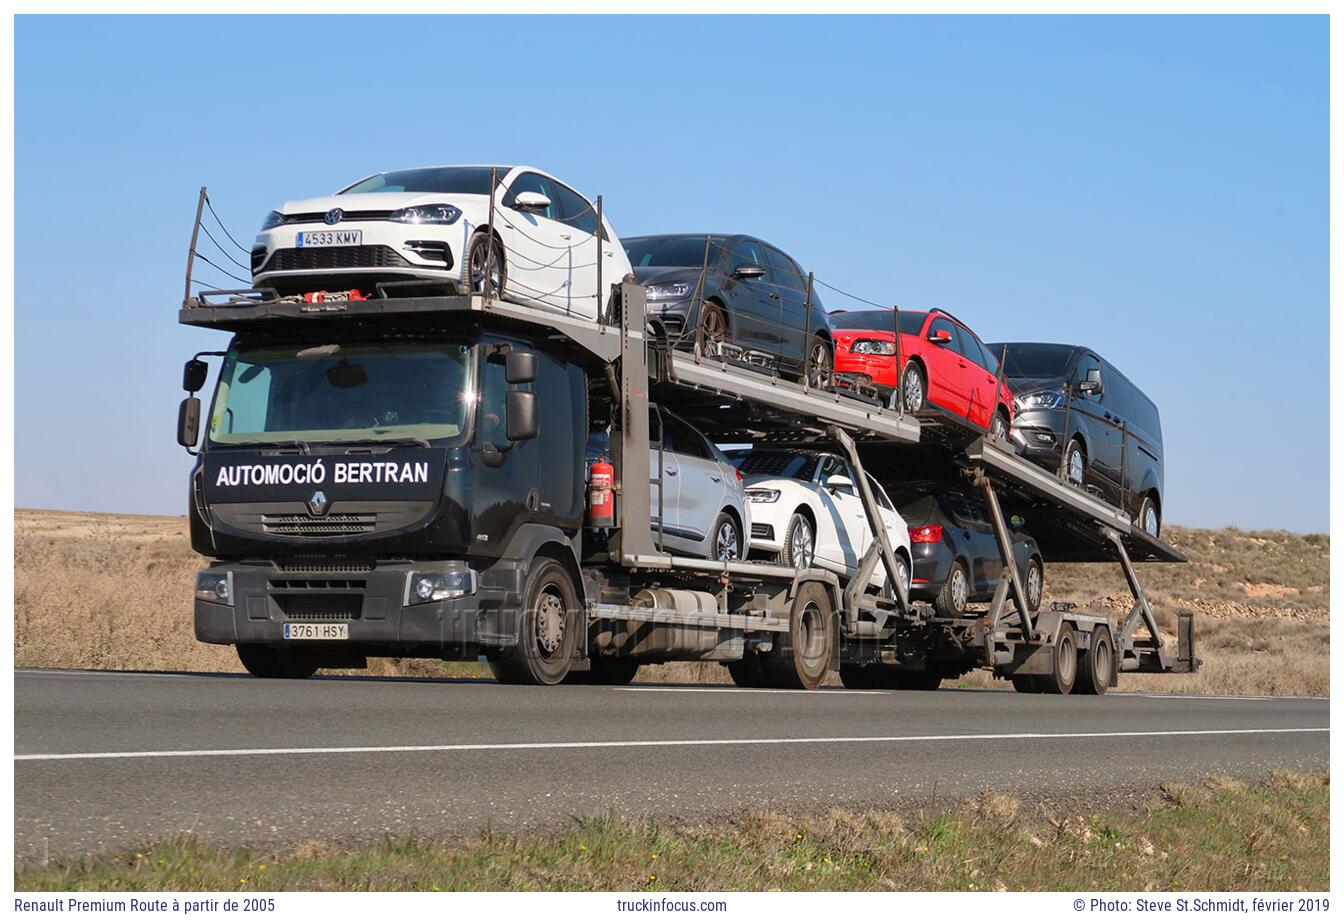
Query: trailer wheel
[(1065, 649), (282, 663), (748, 672), (860, 676), (801, 656), (1026, 683), (1097, 664), (547, 629)]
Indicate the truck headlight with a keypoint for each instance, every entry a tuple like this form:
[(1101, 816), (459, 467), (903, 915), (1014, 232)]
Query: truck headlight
[(426, 214), (1045, 399), (765, 496), (427, 587), (873, 347), (215, 587), (676, 290)]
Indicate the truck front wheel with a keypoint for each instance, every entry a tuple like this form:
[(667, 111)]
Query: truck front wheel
[(548, 627), (270, 662)]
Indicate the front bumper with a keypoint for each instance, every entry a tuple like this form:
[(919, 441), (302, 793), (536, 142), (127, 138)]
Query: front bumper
[(879, 369), (371, 600), (1038, 434), (387, 250)]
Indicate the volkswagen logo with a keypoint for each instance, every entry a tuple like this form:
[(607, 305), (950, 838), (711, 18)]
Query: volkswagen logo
[(334, 216), (318, 504)]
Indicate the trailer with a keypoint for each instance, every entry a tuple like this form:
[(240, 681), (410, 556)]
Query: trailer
[(559, 600)]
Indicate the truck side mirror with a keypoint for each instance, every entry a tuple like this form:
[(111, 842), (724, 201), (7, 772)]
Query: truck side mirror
[(520, 367), (189, 421), (194, 373), (521, 415)]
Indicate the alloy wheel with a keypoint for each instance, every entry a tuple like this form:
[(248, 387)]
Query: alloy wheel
[(914, 391), (725, 542), (800, 545), (959, 592)]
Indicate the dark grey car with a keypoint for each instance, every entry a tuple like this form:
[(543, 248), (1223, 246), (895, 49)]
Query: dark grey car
[(1072, 401), (752, 296)]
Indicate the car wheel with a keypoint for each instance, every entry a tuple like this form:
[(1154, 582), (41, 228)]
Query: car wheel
[(1075, 463), (727, 539), (478, 254), (277, 663), (547, 629), (998, 426), (955, 593), (1034, 584), (801, 655), (713, 330), (912, 388), (800, 543), (1150, 520), (818, 371)]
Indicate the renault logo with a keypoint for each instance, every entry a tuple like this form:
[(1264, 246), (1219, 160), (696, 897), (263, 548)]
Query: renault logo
[(334, 216), (318, 504)]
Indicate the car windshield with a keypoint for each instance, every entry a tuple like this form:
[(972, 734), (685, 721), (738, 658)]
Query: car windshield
[(353, 391), (774, 464), (668, 251), (1028, 359), (878, 320), (450, 180)]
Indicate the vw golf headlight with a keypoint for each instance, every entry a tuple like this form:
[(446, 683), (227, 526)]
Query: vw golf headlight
[(764, 496), (215, 587), (426, 214), (273, 219), (675, 290), (427, 587), (873, 347), (1046, 399)]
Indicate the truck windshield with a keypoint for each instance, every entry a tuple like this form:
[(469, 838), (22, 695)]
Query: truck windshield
[(352, 391)]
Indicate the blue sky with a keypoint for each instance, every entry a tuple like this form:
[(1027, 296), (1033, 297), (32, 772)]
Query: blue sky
[(1154, 187)]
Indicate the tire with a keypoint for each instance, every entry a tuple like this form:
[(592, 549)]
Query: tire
[(612, 672), (1026, 683), (913, 388), (955, 593), (474, 270), (817, 372), (1096, 666), (928, 679), (902, 575), (801, 657), (748, 672), (860, 676), (547, 629), (1062, 677), (999, 426), (800, 543), (1150, 517), (277, 663), (1075, 463), (726, 543), (712, 330), (1033, 585)]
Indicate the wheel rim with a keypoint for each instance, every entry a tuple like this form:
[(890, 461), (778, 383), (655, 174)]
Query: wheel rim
[(479, 253), (819, 370), (902, 573), (712, 330), (1150, 519), (1034, 586), (725, 543), (1075, 465), (811, 634), (800, 544), (1067, 662), (997, 428), (914, 391), (958, 589), (550, 622)]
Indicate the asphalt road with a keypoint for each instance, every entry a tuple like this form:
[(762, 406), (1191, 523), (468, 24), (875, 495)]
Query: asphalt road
[(109, 761)]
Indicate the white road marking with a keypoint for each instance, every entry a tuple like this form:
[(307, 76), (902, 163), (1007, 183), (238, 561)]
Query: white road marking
[(705, 742)]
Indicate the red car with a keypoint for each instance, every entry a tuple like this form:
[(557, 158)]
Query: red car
[(945, 363)]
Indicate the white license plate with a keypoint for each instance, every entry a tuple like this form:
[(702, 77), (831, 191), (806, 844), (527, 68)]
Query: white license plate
[(311, 238), (312, 631)]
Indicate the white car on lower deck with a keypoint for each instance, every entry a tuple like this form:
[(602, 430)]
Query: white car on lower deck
[(805, 510), (429, 226)]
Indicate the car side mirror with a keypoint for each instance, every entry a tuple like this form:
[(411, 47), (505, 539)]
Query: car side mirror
[(189, 422), (194, 373), (838, 483), (940, 336), (521, 416), (520, 367), (1092, 385), (748, 272), (530, 201)]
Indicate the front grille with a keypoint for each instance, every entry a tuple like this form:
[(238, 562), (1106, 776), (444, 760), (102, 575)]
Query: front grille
[(316, 566), (316, 584), (322, 607), (324, 258), (320, 217), (303, 525), (762, 531)]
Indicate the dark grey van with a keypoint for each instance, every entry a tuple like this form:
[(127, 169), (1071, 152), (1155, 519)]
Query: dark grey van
[(1069, 399)]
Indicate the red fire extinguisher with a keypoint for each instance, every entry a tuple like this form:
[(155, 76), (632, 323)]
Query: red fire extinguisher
[(601, 495)]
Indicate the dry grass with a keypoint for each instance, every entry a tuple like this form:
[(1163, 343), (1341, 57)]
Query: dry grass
[(114, 591), (1221, 835)]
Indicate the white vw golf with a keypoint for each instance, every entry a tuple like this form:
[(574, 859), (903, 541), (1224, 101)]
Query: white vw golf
[(426, 231), (805, 511)]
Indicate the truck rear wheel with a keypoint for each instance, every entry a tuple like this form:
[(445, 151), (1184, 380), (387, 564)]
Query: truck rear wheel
[(802, 655), (748, 672), (277, 663), (1096, 665), (547, 629), (860, 676), (1065, 671)]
